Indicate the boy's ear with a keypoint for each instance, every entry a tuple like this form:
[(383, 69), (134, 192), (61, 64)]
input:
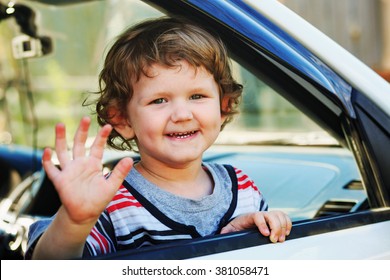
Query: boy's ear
[(125, 130), (122, 126), (225, 107)]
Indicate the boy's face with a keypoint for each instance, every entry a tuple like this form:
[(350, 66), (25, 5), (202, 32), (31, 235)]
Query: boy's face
[(175, 114)]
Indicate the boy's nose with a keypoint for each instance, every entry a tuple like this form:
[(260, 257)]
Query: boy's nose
[(181, 112)]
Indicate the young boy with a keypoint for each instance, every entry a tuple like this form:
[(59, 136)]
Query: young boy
[(166, 91)]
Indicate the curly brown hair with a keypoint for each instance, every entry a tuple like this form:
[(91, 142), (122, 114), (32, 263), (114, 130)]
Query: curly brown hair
[(163, 41)]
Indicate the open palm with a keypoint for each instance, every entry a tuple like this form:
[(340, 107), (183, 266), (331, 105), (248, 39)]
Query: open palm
[(83, 189)]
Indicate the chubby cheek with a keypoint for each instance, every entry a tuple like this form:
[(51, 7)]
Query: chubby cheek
[(152, 128), (212, 122), (148, 128)]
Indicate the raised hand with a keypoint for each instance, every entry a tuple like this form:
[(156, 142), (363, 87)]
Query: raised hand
[(82, 188)]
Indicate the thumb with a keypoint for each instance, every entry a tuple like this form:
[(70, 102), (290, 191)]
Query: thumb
[(120, 171), (239, 223), (228, 228)]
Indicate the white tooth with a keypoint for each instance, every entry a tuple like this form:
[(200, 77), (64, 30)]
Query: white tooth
[(182, 134)]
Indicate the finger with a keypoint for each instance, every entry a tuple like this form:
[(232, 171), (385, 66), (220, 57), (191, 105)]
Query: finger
[(228, 228), (50, 169), (261, 223), (239, 223), (99, 143), (283, 226), (80, 137), (288, 226), (282, 236), (275, 224), (119, 173), (277, 221), (61, 145)]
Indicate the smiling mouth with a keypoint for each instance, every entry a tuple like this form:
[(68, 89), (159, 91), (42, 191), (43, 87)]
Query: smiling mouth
[(182, 135)]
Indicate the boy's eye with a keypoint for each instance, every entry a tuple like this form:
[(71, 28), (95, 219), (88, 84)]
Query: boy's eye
[(197, 96), (158, 101)]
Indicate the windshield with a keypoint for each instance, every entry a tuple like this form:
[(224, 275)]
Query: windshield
[(49, 84)]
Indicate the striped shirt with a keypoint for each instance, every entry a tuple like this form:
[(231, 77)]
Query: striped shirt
[(138, 217)]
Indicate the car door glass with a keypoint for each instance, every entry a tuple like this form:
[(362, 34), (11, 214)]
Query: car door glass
[(297, 165)]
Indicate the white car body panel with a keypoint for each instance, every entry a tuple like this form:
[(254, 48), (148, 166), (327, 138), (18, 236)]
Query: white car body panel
[(322, 246)]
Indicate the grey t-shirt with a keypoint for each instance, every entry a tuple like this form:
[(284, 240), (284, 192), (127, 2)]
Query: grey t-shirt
[(204, 213)]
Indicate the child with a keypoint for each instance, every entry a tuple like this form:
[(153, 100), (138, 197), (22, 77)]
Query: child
[(166, 91)]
